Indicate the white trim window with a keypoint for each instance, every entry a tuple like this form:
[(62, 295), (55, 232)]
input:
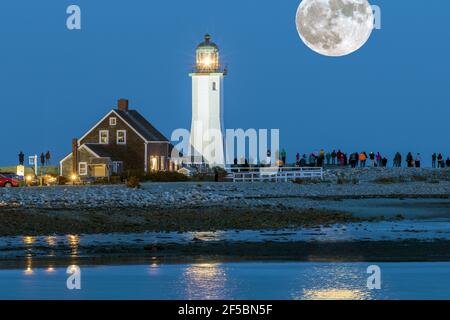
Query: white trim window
[(82, 168), (121, 136), (103, 137), (112, 121)]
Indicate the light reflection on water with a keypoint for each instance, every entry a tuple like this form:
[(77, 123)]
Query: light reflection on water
[(207, 235), (28, 266), (333, 282), (50, 269), (74, 241), (244, 280), (206, 281), (51, 241), (28, 241), (334, 294), (154, 266)]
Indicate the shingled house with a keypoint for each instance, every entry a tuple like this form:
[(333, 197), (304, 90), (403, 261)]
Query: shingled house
[(123, 140)]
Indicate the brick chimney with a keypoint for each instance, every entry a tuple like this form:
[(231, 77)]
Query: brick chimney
[(74, 156), (122, 104)]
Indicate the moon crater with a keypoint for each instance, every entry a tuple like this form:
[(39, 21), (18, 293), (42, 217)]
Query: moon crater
[(335, 27)]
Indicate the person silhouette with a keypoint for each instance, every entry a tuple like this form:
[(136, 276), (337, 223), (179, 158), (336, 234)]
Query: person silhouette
[(21, 158), (47, 158)]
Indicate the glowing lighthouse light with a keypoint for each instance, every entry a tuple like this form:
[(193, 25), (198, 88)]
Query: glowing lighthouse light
[(207, 56), (207, 106), (207, 62)]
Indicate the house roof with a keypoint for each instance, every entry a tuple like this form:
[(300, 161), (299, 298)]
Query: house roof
[(140, 124), (101, 151), (97, 150)]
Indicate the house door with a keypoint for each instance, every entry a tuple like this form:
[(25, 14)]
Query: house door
[(117, 167)]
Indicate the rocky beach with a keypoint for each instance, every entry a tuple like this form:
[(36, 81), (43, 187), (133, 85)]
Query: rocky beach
[(337, 184), (406, 210)]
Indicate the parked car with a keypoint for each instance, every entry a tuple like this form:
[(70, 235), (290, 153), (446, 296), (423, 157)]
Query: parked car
[(8, 181)]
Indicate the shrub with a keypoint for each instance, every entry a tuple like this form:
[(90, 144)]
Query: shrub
[(102, 180), (133, 182), (202, 177), (133, 173), (165, 176), (62, 180), (115, 180), (221, 172)]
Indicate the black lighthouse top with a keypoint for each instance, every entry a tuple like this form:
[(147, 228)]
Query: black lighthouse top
[(207, 43)]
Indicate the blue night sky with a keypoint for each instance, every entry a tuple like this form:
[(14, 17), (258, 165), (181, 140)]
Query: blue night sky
[(55, 84)]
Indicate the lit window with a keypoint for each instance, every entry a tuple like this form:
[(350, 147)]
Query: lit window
[(121, 137), (153, 164), (82, 169), (163, 164), (104, 137), (112, 121)]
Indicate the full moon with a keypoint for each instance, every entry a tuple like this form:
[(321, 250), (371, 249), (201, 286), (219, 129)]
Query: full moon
[(335, 27)]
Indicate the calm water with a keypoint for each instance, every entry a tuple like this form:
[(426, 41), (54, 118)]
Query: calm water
[(244, 280)]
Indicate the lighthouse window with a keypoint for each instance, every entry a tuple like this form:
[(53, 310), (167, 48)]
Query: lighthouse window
[(214, 86)]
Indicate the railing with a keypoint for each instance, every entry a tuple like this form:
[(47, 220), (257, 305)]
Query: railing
[(276, 174), (213, 69)]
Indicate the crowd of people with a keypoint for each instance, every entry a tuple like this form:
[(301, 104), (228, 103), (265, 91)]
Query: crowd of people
[(362, 159), (353, 160)]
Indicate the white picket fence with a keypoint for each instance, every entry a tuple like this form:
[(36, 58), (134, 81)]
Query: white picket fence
[(275, 174)]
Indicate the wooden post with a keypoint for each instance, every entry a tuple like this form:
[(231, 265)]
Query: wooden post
[(75, 156)]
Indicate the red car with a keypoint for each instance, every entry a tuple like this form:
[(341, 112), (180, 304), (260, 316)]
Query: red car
[(8, 182)]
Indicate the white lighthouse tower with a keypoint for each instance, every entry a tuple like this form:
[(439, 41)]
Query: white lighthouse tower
[(206, 137)]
